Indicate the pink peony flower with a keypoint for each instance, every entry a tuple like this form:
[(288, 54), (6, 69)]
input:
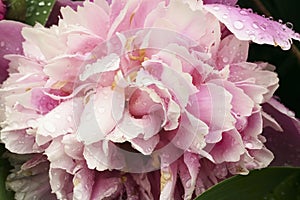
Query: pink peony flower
[(142, 99), (2, 10)]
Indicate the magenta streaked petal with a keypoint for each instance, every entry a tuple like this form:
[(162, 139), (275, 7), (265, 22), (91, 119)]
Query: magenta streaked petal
[(10, 42), (246, 25)]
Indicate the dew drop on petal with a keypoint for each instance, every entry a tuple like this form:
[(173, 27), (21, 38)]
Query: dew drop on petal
[(252, 36), (255, 25), (243, 12), (216, 8), (238, 24), (263, 27), (225, 16), (289, 25), (188, 183), (225, 59)]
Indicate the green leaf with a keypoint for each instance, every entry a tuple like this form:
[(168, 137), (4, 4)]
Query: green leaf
[(38, 11), (278, 183), (4, 171), (16, 10)]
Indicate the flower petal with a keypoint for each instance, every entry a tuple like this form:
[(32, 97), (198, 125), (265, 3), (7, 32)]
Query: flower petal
[(225, 2), (284, 145), (246, 25), (10, 43)]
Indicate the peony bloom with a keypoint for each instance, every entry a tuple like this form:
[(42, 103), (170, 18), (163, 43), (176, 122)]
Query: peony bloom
[(142, 99), (2, 10)]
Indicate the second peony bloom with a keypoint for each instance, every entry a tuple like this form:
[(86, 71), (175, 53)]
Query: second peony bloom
[(142, 99)]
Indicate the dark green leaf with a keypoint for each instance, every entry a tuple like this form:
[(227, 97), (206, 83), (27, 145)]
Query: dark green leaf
[(16, 10), (38, 11), (270, 183), (4, 171)]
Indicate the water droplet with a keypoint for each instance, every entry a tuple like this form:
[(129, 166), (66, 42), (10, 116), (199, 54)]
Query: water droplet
[(2, 44), (238, 24), (249, 145), (263, 27), (250, 10), (225, 59), (49, 4), (289, 25), (45, 12), (243, 12), (49, 127), (216, 8), (37, 13), (188, 183), (252, 36), (255, 25), (280, 21), (41, 3)]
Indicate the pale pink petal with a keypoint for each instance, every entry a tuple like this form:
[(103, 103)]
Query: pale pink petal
[(232, 50), (38, 43), (60, 183), (177, 16), (107, 185), (255, 92), (188, 172), (168, 181), (99, 115), (66, 115), (229, 149), (212, 105), (246, 25), (55, 13), (84, 17), (72, 147), (20, 142), (83, 182), (103, 155), (57, 156), (145, 127), (146, 147), (253, 72)]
